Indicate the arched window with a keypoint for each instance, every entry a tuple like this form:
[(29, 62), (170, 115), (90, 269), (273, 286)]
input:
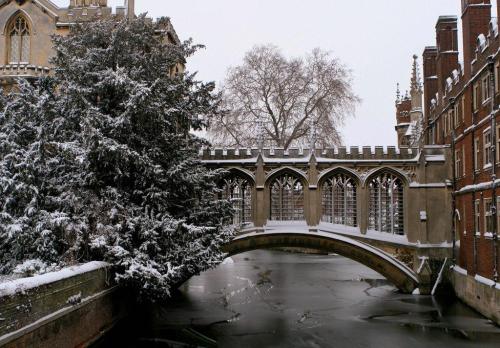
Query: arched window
[(239, 191), (287, 199), (386, 204), (339, 201), (19, 36)]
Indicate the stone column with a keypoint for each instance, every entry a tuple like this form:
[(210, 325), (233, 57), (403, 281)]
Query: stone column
[(314, 202), (260, 203)]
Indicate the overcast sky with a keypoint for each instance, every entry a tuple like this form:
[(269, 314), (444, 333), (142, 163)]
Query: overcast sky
[(376, 39)]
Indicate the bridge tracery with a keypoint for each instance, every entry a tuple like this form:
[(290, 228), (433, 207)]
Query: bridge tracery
[(339, 200), (238, 190), (386, 203), (287, 198)]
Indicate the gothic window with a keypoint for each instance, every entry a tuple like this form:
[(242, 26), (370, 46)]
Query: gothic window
[(287, 198), (19, 36), (386, 212), (239, 191), (339, 200)]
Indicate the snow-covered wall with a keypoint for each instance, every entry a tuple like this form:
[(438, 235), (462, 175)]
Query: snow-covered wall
[(76, 303)]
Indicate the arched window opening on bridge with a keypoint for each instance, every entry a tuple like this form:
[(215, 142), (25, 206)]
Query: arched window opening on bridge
[(239, 191), (287, 199), (339, 201), (386, 204), (19, 41)]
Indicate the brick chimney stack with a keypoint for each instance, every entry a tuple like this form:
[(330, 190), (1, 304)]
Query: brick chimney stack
[(476, 17), (430, 78), (447, 50)]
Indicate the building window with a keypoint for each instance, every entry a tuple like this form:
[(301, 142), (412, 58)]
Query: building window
[(477, 151), (477, 217), (485, 88), (19, 36), (386, 213), (287, 199), (339, 200), (239, 191), (488, 216), (456, 115), (475, 96), (498, 144), (458, 164), (497, 75), (487, 148)]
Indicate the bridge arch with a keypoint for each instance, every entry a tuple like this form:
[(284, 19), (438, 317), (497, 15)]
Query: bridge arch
[(243, 173), (286, 169), (328, 172), (393, 270), (402, 175)]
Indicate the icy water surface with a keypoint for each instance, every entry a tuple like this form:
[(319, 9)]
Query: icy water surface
[(275, 299)]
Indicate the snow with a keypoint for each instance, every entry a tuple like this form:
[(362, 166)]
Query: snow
[(14, 287), (460, 270), (435, 158), (416, 291)]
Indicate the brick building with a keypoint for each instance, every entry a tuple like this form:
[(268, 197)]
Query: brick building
[(461, 110)]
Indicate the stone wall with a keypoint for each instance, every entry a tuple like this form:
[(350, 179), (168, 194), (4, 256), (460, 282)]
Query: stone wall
[(63, 309), (479, 293)]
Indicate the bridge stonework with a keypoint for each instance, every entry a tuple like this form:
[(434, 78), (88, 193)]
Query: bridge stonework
[(397, 199)]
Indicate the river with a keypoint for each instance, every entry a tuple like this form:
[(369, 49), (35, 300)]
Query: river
[(276, 299)]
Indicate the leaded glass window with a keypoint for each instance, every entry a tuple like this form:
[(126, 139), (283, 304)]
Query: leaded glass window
[(386, 212), (239, 191), (20, 41), (287, 199), (339, 201)]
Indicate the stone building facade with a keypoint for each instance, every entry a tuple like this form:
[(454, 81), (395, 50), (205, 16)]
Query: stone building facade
[(409, 113), (461, 110), (27, 26)]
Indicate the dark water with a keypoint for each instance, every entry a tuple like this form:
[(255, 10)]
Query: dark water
[(274, 299)]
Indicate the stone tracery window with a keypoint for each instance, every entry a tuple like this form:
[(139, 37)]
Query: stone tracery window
[(239, 191), (339, 200), (287, 198), (386, 213), (19, 36)]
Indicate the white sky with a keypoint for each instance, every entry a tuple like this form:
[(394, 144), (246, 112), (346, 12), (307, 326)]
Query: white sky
[(376, 39)]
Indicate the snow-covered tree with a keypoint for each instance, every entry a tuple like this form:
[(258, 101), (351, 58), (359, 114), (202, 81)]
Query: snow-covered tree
[(98, 162)]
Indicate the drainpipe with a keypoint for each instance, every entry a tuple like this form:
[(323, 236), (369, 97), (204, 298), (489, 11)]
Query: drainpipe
[(454, 182), (491, 68)]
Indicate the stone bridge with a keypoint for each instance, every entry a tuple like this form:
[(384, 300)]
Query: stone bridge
[(386, 208)]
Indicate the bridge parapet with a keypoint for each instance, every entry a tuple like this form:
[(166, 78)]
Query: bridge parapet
[(354, 153)]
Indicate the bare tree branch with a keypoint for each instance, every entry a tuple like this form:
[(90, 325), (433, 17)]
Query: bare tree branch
[(288, 94)]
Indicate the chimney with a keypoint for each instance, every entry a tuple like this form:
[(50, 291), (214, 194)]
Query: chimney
[(430, 78), (447, 50), (476, 17)]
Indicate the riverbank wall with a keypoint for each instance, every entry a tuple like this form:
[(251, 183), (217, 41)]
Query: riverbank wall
[(70, 308), (480, 293)]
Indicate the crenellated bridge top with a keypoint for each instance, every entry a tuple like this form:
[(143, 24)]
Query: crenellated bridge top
[(377, 154)]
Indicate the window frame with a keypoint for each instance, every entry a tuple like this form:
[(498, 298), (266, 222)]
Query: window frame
[(487, 160)]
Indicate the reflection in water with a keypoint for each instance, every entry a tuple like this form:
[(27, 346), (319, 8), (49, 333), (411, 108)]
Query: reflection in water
[(275, 299)]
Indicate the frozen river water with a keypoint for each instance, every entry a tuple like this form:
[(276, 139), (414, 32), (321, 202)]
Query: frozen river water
[(276, 299)]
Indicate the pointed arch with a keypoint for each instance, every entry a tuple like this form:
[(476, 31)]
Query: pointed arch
[(339, 188), (386, 210), (324, 174), (286, 189), (397, 172), (242, 172), (281, 170), (238, 187), (18, 33)]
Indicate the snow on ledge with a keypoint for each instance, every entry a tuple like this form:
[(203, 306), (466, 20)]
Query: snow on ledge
[(17, 286)]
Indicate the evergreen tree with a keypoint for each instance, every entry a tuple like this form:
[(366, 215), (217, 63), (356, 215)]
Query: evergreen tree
[(98, 162)]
